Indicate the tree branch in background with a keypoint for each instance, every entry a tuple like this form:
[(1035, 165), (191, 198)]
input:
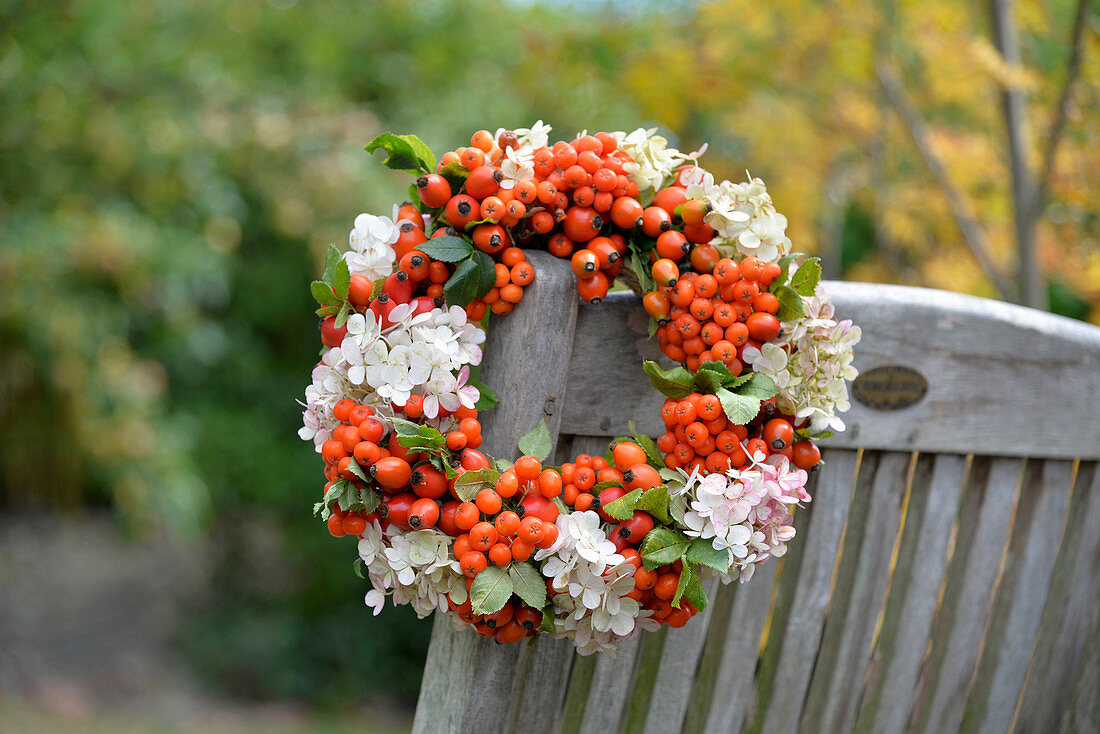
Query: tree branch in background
[(1061, 113), (1017, 125), (968, 224)]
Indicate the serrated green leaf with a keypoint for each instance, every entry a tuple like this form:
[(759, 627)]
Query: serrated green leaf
[(456, 174), (487, 269), (502, 465), (448, 248), (681, 586), (703, 551), (490, 591), (675, 383), (328, 311), (623, 508), (357, 470), (528, 584), (736, 382), (677, 506), (537, 442), (337, 492), (342, 315), (341, 279), (805, 279), (323, 294), (423, 152), (461, 287), (709, 381), (662, 546), (332, 257), (740, 409), (655, 501), (758, 385), (790, 304), (470, 483), (401, 154), (405, 427), (694, 591), (488, 398)]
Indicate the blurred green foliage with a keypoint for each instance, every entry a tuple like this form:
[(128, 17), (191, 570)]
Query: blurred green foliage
[(169, 175)]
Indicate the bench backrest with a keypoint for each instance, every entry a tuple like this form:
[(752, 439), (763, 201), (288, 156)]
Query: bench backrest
[(946, 576)]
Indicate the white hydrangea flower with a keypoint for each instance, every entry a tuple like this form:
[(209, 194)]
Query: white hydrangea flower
[(653, 159), (371, 241), (536, 136), (517, 166), (742, 214)]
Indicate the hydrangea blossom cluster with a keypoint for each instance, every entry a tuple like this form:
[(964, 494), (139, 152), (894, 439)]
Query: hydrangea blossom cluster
[(415, 567), (742, 214), (745, 512), (810, 363), (371, 241), (654, 160), (592, 608)]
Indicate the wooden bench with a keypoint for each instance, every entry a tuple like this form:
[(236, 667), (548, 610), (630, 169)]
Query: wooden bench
[(945, 577)]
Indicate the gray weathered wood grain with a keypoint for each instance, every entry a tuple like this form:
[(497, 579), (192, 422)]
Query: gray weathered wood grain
[(983, 361), (531, 384), (915, 588), (984, 524), (1019, 604), (857, 620), (1073, 599), (807, 615), (676, 673), (729, 702)]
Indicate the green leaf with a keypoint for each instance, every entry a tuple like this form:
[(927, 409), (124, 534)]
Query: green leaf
[(652, 453), (784, 270), (655, 501), (402, 154), (675, 383), (342, 315), (537, 443), (341, 279), (740, 409), (423, 152), (357, 470), (601, 486), (376, 288), (502, 465), (759, 386), (806, 278), (456, 174), (437, 461), (405, 427), (487, 269), (790, 304), (641, 272), (677, 506), (470, 483), (528, 584), (623, 508), (708, 380), (323, 294), (425, 437), (488, 399), (549, 622), (461, 287), (737, 381), (490, 591), (358, 567), (663, 546), (328, 311), (820, 435), (448, 248), (332, 260), (694, 591), (685, 579), (652, 327), (703, 551), (337, 492)]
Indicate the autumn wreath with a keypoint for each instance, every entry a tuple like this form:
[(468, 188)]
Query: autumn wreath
[(601, 546)]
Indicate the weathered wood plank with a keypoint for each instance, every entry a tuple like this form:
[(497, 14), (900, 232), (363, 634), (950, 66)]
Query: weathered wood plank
[(977, 352), (609, 688), (914, 590), (530, 386), (959, 628), (645, 676), (1082, 715), (856, 622), (1072, 600), (1019, 604), (542, 675), (803, 631), (676, 673), (730, 698)]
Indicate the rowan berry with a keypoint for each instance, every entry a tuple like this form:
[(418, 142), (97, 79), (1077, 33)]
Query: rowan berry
[(665, 588), (482, 536), (521, 549), (473, 562), (488, 501), (500, 554)]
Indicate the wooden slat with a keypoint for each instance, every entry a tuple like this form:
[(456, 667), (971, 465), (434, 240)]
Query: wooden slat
[(1082, 715), (730, 699), (807, 615), (676, 673), (531, 384), (1070, 606), (976, 352), (1019, 603), (650, 651), (854, 621), (913, 592), (959, 627)]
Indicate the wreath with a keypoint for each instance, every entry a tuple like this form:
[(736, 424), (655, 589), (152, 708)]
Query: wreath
[(599, 547)]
